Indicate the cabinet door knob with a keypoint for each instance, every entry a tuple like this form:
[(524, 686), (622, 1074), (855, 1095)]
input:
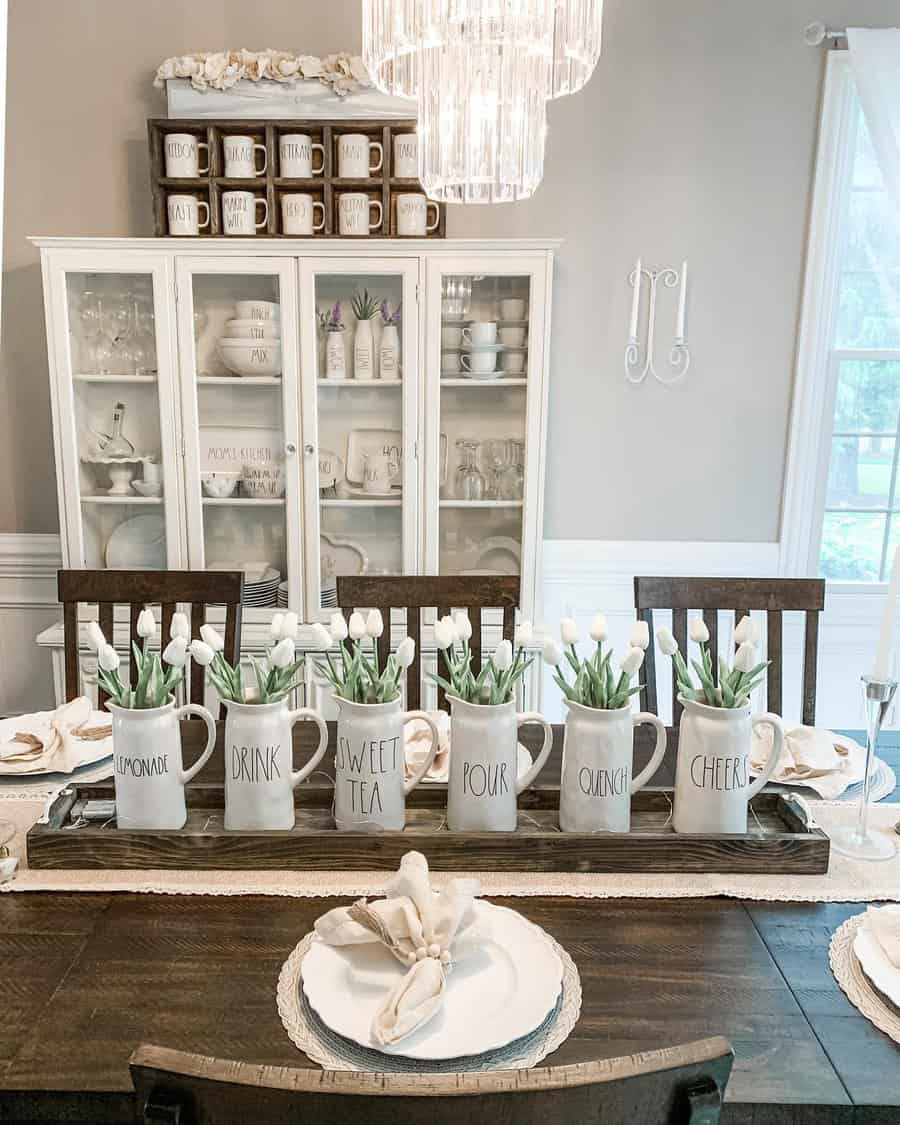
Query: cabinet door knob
[(290, 447), (309, 448)]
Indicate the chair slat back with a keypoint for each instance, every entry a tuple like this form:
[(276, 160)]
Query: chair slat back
[(773, 596), (440, 593), (673, 1086), (136, 589)]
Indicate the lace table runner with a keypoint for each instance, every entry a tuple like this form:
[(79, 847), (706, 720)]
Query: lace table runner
[(859, 989), (848, 880)]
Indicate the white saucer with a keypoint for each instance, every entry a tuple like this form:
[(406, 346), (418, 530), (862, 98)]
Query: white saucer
[(874, 963), (482, 348)]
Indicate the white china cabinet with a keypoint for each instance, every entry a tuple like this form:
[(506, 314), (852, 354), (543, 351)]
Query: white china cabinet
[(299, 409)]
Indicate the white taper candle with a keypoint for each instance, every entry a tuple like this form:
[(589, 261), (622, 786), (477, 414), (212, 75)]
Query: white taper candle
[(882, 670), (636, 301), (682, 302)]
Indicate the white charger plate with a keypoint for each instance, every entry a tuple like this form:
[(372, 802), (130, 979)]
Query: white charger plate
[(138, 544), (876, 966), (498, 995)]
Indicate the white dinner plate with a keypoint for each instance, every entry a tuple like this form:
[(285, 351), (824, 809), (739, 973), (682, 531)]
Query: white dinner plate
[(498, 995), (138, 544), (876, 966)]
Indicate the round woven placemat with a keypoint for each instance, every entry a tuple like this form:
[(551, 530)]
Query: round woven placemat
[(860, 991)]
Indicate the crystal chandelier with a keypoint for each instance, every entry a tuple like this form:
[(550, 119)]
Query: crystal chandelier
[(482, 71)]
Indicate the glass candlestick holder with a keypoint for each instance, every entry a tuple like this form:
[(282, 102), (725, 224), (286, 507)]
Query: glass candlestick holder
[(858, 840)]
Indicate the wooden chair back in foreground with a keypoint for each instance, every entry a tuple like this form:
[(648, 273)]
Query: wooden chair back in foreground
[(137, 589), (673, 1086), (773, 595), (472, 593)]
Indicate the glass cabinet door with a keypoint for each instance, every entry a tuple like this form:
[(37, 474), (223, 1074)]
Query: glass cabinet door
[(359, 338), (238, 340), (114, 400), (485, 333)]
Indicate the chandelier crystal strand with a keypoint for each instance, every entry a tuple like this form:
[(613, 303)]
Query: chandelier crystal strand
[(577, 40), (392, 39)]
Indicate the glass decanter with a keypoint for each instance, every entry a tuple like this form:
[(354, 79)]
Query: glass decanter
[(118, 445), (469, 481)]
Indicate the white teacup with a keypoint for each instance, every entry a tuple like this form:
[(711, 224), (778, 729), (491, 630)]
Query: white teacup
[(240, 157), (451, 336), (355, 214), (355, 156), (184, 214), (512, 308), (412, 215), (513, 362), (479, 363), (406, 156), (450, 362), (295, 151), (513, 337), (298, 214), (239, 213), (481, 332), (182, 152)]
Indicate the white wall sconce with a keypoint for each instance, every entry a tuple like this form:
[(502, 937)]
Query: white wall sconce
[(639, 361)]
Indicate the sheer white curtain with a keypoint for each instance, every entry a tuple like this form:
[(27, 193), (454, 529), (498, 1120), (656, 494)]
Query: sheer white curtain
[(875, 59)]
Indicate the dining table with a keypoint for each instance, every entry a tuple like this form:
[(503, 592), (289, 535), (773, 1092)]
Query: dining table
[(86, 976)]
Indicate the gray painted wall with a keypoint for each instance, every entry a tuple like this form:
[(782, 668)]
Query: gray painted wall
[(695, 139)]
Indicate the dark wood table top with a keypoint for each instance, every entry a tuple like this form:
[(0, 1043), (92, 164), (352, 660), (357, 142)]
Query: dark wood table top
[(85, 978)]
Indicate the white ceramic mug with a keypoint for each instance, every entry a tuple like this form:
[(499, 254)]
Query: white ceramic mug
[(184, 214), (412, 215), (512, 336), (479, 363), (296, 156), (240, 157), (512, 362), (451, 336), (298, 214), (239, 212), (483, 784), (481, 332), (512, 308), (406, 156), (450, 362), (182, 151), (355, 214), (259, 756), (152, 471), (148, 770), (598, 752), (355, 156), (370, 787)]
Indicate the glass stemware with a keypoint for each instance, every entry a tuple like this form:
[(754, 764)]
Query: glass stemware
[(470, 483), (496, 453), (511, 483)]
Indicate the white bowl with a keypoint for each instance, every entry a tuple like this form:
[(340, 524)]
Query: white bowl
[(263, 483), (258, 310), (253, 329), (251, 357), (147, 487), (219, 486)]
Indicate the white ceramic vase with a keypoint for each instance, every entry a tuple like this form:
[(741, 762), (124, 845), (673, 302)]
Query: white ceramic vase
[(335, 356), (598, 753), (259, 757), (370, 787), (363, 359), (148, 769), (389, 353), (483, 786), (712, 775)]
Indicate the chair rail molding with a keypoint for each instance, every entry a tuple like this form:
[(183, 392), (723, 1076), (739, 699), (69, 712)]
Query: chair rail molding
[(28, 566)]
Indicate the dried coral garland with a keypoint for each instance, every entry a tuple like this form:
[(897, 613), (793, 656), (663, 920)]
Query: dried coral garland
[(220, 70)]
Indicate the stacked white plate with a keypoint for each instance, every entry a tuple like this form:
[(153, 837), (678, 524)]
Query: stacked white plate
[(262, 590), (329, 597), (282, 600)]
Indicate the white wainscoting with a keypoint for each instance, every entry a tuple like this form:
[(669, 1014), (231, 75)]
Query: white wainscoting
[(28, 565)]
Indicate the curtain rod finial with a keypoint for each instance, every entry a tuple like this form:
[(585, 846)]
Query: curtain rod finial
[(815, 34)]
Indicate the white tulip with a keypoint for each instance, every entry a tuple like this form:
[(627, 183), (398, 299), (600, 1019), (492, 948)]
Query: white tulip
[(746, 630), (374, 624), (108, 658), (406, 652), (553, 654), (666, 641), (462, 625), (503, 656), (322, 638), (599, 628), (275, 627), (180, 627), (95, 636), (282, 655), (699, 632), (640, 636), (524, 634), (212, 638), (634, 658), (339, 627), (175, 652), (357, 626), (568, 630), (290, 626), (444, 633), (202, 653), (745, 657), (146, 623)]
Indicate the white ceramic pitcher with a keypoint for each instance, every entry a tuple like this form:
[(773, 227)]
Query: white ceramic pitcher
[(149, 773), (259, 757), (598, 753), (712, 776), (370, 788), (483, 786)]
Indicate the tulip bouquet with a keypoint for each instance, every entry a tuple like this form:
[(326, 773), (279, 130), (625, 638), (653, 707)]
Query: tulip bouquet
[(154, 684), (596, 684), (355, 675), (495, 681), (735, 684), (275, 675)]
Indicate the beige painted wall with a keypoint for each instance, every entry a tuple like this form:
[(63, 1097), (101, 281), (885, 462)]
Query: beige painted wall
[(694, 139)]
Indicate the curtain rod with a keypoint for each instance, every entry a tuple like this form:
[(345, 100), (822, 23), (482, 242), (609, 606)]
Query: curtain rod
[(815, 34)]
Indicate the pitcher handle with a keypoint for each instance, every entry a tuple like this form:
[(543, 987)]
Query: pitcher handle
[(777, 742), (406, 717), (294, 717), (197, 709), (658, 751), (528, 778)]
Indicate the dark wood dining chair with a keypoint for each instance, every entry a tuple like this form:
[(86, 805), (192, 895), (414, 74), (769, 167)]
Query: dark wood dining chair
[(137, 589), (442, 593), (775, 596), (673, 1086)]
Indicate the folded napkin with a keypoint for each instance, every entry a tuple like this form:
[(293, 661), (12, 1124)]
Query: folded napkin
[(426, 932), (883, 922), (417, 745), (825, 761), (56, 741)]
